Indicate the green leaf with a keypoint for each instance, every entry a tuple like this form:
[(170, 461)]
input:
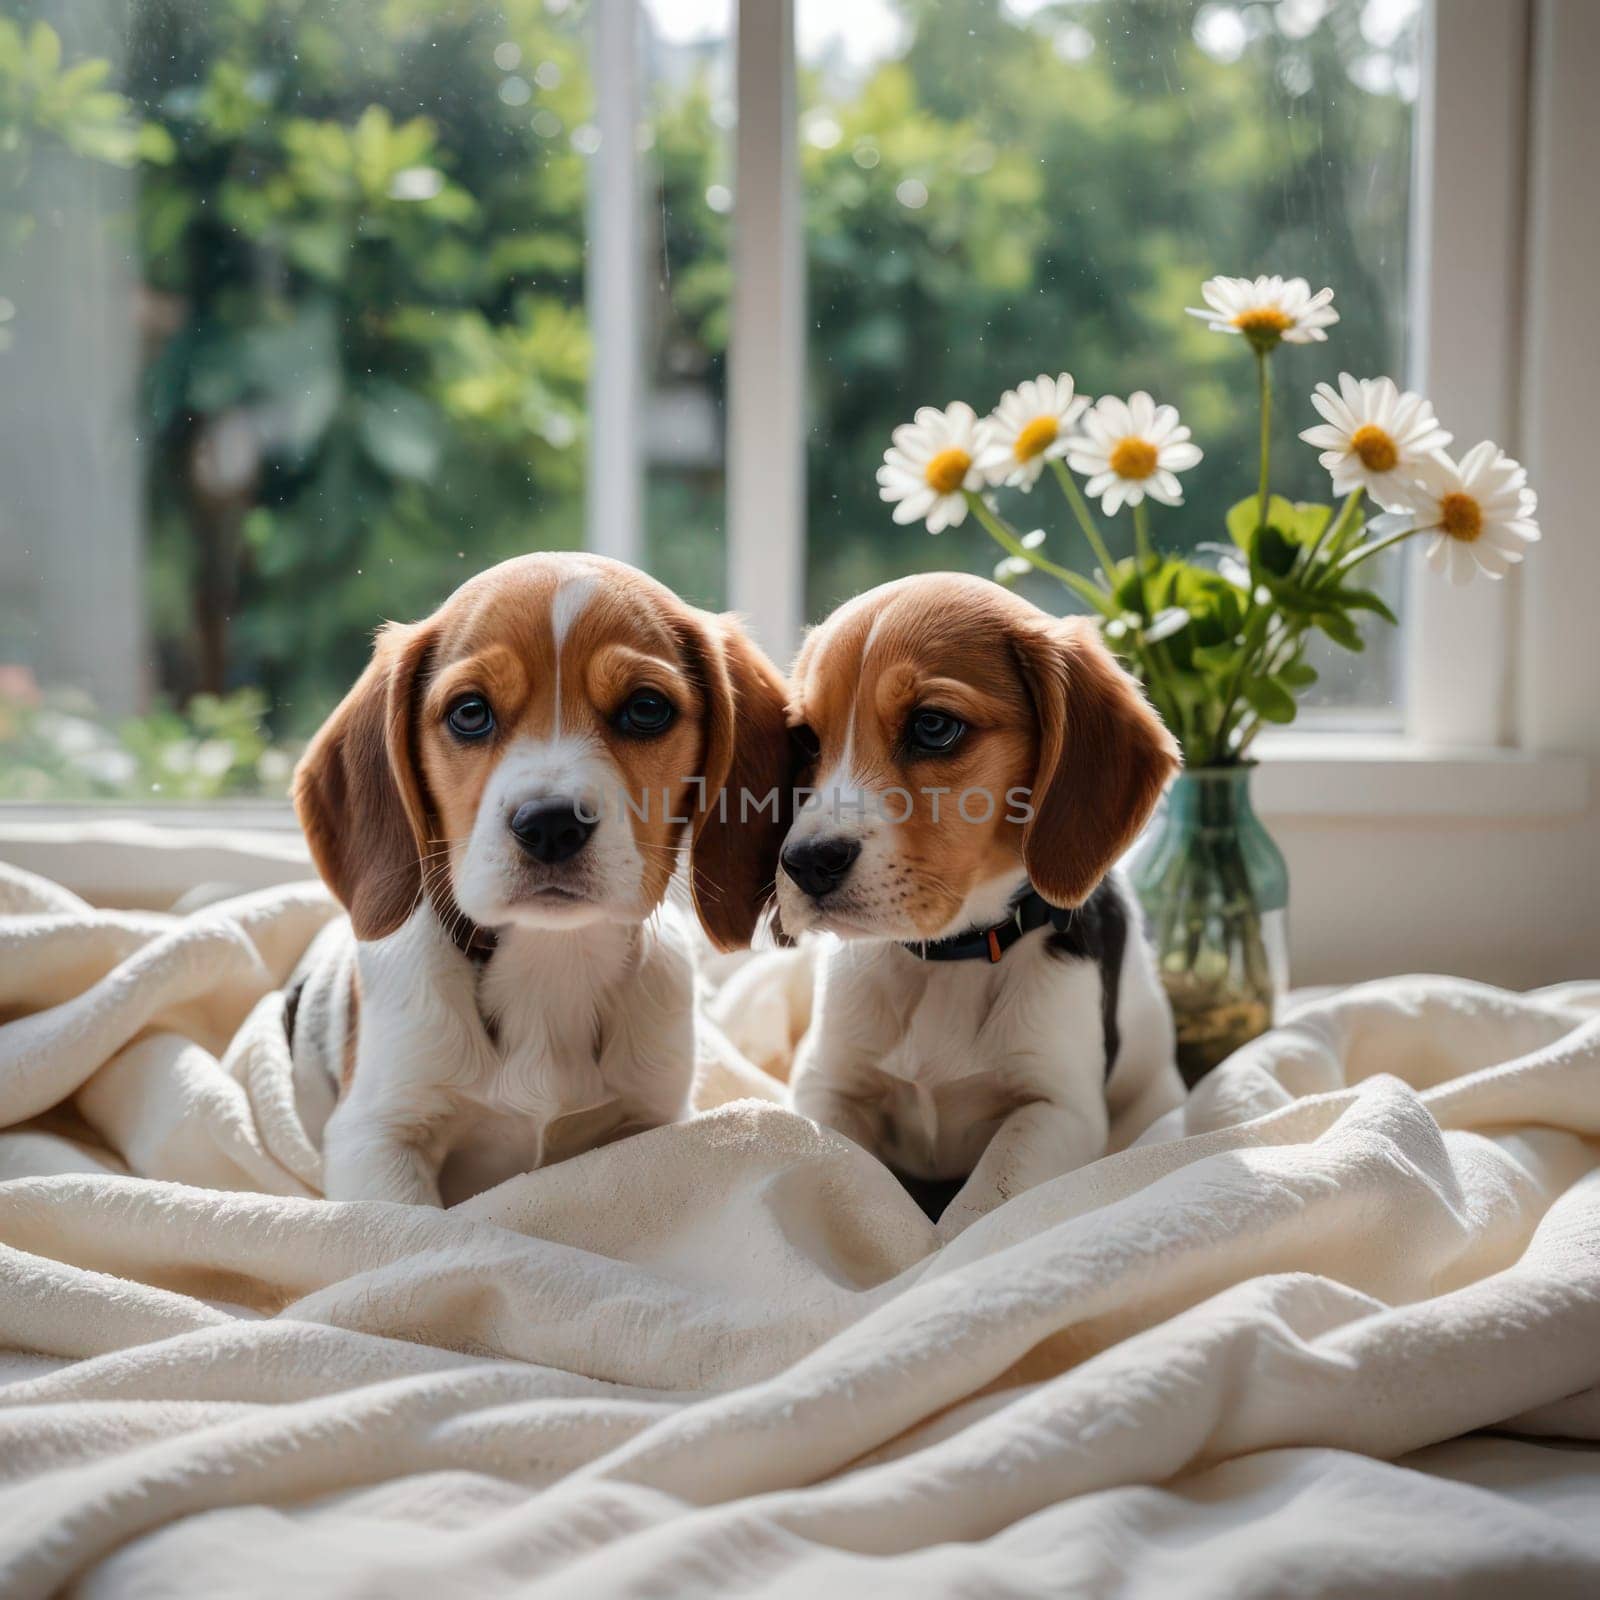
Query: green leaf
[(1341, 630), (1304, 520), (81, 78), (1362, 600), (154, 145), (44, 45), (1127, 587), (1292, 596), (400, 432), (1216, 659), (320, 248), (1244, 518), (1297, 674), (1270, 699), (1271, 552)]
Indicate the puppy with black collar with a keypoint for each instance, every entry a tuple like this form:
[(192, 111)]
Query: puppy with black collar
[(499, 805), (990, 1012)]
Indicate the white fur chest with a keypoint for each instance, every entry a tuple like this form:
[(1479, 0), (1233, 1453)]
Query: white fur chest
[(539, 1091), (558, 1043), (954, 1047)]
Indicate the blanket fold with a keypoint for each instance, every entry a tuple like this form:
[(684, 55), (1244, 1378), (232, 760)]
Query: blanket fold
[(1249, 1355)]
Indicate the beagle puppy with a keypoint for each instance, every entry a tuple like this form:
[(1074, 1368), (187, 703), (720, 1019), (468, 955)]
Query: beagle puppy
[(499, 805), (990, 1012)]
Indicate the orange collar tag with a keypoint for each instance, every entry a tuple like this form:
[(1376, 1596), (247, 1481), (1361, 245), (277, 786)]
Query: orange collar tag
[(994, 946)]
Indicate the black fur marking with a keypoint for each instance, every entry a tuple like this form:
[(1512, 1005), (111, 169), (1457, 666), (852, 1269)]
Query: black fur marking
[(291, 1006), (1098, 931)]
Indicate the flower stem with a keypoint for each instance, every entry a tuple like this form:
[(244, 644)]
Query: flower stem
[(1141, 535), (1264, 376), (1257, 624), (1080, 509), (1365, 552), (1144, 559), (1005, 536), (1335, 531), (1159, 670), (1167, 702)]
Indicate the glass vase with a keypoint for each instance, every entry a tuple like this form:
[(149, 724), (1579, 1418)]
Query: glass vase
[(1215, 891)]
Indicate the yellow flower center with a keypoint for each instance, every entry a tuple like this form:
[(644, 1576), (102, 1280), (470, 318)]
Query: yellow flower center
[(1034, 437), (1375, 448), (1263, 319), (1461, 517), (947, 471), (1133, 458)]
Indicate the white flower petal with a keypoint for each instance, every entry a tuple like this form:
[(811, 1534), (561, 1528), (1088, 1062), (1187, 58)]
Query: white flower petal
[(914, 507), (1164, 487), (1116, 420), (1463, 564), (1325, 437), (1477, 461)]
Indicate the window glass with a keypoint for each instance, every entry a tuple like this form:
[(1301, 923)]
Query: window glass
[(299, 324), (687, 136), (995, 191), (298, 338)]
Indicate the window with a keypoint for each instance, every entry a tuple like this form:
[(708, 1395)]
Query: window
[(340, 301), (994, 191), (302, 305)]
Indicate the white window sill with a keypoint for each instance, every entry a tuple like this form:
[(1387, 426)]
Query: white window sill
[(1363, 775), (121, 854)]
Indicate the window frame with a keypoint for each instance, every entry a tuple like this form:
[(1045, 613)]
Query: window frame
[(613, 288), (1471, 118), (1465, 317), (1463, 750)]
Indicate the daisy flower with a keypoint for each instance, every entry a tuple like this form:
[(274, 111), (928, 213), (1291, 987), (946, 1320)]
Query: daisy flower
[(931, 462), (1480, 513), (1266, 310), (1374, 436), (1028, 428), (1130, 449)]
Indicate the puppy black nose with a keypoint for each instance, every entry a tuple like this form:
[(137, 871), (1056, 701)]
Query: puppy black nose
[(820, 865), (550, 831)]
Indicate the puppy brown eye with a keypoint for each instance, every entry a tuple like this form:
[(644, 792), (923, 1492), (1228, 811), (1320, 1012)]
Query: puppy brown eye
[(806, 741), (643, 713), (933, 732), (470, 717)]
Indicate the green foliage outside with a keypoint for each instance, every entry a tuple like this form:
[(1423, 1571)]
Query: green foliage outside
[(47, 102), (1073, 210), (374, 262), (58, 745), (361, 235)]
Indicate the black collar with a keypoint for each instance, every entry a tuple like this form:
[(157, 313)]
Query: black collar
[(1029, 910), (477, 944)]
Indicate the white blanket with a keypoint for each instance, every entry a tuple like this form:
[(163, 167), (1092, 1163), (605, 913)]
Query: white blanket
[(1237, 1359)]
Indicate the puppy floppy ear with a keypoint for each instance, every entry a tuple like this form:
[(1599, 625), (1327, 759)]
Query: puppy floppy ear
[(746, 805), (1104, 758), (358, 789)]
